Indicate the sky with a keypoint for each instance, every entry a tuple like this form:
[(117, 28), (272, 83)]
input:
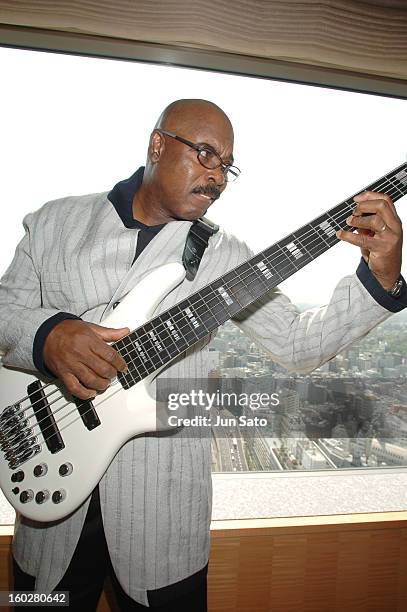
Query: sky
[(72, 125)]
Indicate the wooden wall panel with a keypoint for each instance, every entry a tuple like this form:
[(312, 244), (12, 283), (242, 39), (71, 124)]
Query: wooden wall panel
[(368, 37), (402, 575), (342, 568), (287, 575), (352, 586), (355, 567)]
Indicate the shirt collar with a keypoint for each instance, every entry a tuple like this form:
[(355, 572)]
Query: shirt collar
[(121, 196)]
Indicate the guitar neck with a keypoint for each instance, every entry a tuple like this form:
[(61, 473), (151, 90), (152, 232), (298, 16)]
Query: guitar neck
[(166, 336)]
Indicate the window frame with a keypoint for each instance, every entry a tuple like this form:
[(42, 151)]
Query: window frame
[(229, 63)]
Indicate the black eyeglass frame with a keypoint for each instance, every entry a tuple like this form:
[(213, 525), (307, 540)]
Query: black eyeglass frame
[(226, 168)]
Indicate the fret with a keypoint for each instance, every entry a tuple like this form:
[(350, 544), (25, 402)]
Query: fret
[(187, 324), (328, 239), (160, 340), (136, 362), (126, 349), (215, 312), (121, 345), (262, 264), (209, 311), (380, 185), (222, 291), (243, 285), (289, 254), (155, 338), (141, 360), (341, 212), (239, 287), (135, 372), (395, 186), (275, 263), (180, 333), (194, 319), (128, 379), (257, 284), (207, 322), (165, 335), (295, 250), (335, 224), (303, 240), (263, 271), (401, 178), (399, 174), (322, 232), (151, 344)]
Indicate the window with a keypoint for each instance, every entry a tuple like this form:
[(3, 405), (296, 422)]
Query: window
[(73, 125)]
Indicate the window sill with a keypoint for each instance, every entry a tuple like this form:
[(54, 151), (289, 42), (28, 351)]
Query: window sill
[(239, 527), (269, 495)]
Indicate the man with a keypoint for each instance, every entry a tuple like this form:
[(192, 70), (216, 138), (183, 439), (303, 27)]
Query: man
[(155, 498)]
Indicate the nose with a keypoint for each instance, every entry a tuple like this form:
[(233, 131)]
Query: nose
[(218, 176)]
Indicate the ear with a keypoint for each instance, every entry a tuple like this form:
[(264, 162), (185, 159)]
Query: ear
[(156, 146)]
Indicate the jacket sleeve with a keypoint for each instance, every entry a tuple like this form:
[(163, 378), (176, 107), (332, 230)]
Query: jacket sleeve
[(302, 341), (21, 311)]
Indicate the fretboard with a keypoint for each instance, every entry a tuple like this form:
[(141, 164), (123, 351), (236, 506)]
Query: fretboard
[(166, 336)]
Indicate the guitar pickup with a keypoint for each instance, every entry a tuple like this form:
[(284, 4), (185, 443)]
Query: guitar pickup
[(45, 418), (87, 413)]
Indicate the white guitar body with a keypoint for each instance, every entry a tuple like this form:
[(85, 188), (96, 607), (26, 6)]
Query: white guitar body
[(86, 455)]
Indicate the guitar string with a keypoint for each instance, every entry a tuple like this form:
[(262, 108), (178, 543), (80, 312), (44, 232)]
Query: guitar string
[(298, 240), (379, 185), (214, 298), (73, 411), (131, 350), (171, 357), (147, 373)]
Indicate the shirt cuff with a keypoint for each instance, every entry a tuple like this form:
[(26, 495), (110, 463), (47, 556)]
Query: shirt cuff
[(375, 289), (41, 336)]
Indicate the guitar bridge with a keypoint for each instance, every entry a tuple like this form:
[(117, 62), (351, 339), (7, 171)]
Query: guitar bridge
[(17, 439)]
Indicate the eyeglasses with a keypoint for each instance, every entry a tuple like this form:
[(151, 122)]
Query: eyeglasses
[(207, 157)]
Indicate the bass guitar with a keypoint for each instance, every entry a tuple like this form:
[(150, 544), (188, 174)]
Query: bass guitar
[(55, 448)]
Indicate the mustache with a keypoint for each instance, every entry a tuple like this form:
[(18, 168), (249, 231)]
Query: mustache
[(212, 191)]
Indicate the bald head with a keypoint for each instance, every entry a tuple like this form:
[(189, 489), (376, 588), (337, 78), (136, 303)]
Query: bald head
[(194, 114)]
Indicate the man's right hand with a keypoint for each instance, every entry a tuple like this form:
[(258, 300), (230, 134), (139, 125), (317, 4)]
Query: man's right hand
[(78, 354)]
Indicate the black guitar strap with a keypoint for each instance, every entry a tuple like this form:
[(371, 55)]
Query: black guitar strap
[(195, 245)]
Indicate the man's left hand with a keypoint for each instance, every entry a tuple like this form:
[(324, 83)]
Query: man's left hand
[(379, 235)]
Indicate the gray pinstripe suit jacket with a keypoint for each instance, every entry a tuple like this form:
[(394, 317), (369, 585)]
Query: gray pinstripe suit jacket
[(77, 256)]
